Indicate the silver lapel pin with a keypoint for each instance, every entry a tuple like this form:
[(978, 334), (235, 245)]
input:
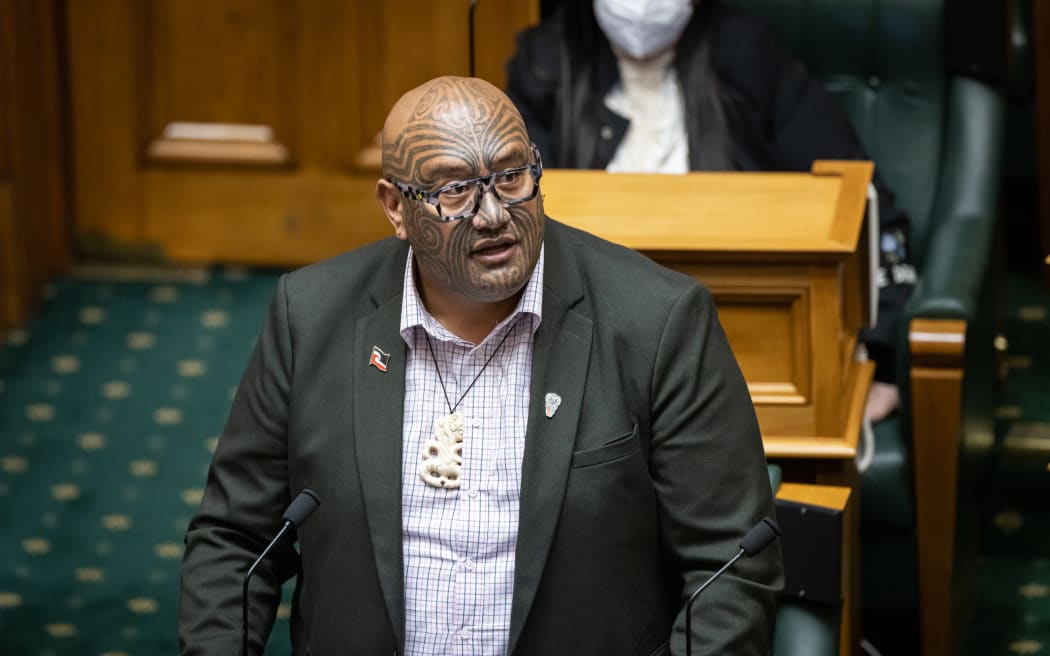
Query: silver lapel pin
[(550, 404)]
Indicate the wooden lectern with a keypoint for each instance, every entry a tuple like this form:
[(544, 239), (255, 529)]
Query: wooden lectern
[(787, 258)]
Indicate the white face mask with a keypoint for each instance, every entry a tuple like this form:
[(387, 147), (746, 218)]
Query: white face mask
[(643, 28)]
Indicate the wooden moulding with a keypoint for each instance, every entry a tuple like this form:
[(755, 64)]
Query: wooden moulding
[(852, 199), (795, 216), (202, 102), (206, 143), (843, 446), (369, 160), (204, 152), (937, 347), (767, 320)]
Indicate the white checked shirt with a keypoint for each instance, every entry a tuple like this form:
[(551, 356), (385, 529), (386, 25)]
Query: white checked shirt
[(459, 543)]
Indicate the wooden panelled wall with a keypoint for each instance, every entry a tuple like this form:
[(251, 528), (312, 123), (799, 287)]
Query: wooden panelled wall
[(34, 236), (244, 130)]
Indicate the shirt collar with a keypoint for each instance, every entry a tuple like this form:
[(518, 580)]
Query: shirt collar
[(414, 315)]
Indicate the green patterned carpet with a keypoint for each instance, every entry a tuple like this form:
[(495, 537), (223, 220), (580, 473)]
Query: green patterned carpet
[(1013, 609), (111, 401), (110, 404)]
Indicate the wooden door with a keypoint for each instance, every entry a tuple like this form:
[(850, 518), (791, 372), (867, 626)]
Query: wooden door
[(244, 130), (34, 238)]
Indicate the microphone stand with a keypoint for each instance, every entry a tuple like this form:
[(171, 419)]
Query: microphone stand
[(758, 538), (692, 598), (297, 513), (248, 578)]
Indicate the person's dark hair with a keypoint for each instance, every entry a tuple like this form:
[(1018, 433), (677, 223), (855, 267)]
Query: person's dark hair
[(583, 49), (586, 54)]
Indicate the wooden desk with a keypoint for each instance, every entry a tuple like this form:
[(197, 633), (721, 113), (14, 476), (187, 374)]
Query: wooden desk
[(785, 257)]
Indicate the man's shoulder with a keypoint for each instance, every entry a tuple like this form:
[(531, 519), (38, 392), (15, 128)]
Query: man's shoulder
[(370, 267), (610, 269)]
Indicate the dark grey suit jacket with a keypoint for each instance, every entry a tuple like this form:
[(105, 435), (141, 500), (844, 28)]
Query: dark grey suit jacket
[(640, 485)]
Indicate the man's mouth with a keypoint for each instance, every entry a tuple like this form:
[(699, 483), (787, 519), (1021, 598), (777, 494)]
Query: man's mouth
[(492, 246), (493, 249)]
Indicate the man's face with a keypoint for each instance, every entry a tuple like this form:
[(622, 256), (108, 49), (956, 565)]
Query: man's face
[(462, 129)]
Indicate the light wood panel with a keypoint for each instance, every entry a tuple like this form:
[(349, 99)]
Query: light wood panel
[(718, 210), (771, 321), (231, 130)]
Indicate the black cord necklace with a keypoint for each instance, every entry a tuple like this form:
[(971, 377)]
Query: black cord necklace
[(452, 408)]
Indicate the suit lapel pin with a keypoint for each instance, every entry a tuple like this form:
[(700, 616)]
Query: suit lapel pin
[(550, 404), (379, 359)]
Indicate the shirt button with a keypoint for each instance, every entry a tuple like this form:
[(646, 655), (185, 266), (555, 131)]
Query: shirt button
[(468, 564), (606, 133), (472, 493), (464, 634), (475, 422)]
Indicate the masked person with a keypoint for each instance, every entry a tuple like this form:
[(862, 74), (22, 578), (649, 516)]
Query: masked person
[(669, 86), (525, 440)]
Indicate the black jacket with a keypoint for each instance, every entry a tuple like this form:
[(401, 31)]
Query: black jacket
[(777, 117), (631, 495)]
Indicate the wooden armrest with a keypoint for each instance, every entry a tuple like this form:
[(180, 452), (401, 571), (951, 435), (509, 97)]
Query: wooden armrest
[(937, 342), (835, 497), (937, 347)]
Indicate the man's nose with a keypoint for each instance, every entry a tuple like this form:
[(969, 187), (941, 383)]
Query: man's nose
[(491, 213)]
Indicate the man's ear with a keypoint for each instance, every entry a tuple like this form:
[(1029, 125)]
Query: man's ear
[(393, 203)]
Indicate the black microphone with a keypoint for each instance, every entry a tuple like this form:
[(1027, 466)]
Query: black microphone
[(294, 517), (470, 28), (758, 538)]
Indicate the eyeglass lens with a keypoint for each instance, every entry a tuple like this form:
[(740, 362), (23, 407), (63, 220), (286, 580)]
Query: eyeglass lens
[(510, 186)]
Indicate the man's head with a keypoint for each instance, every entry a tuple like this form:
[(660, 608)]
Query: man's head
[(449, 130)]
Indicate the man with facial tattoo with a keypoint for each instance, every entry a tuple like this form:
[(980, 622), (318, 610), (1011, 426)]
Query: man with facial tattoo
[(527, 440)]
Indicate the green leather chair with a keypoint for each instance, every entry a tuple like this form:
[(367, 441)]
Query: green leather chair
[(936, 139)]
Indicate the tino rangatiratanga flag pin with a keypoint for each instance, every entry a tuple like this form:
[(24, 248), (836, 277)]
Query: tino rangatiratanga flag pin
[(379, 359)]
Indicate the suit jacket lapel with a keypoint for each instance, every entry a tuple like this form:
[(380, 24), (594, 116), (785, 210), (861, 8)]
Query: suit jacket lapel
[(378, 410), (560, 357)]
